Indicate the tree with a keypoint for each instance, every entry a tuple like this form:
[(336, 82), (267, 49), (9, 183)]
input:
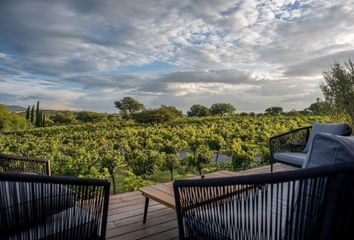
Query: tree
[(320, 107), (241, 160), (194, 143), (143, 163), (338, 88), (43, 120), (159, 115), (28, 113), (128, 106), (201, 158), (241, 156), (110, 159), (170, 159), (38, 117), (32, 114), (172, 110), (63, 118), (39, 121), (215, 145), (222, 108), (168, 149), (91, 117), (198, 111), (274, 110)]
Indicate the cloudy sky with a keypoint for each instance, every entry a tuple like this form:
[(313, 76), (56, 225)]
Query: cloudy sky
[(87, 54)]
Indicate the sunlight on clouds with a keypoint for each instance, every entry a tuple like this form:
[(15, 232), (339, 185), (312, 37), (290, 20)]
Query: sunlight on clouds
[(86, 52), (182, 89)]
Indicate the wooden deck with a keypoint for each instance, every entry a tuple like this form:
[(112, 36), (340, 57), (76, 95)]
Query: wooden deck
[(125, 214)]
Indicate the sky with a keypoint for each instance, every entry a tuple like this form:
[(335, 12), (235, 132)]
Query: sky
[(84, 55)]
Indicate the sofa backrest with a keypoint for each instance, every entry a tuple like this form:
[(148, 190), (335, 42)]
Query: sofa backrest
[(336, 129), (330, 149)]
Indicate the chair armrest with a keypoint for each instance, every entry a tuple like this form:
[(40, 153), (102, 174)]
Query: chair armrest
[(10, 163), (290, 200), (83, 209), (292, 141)]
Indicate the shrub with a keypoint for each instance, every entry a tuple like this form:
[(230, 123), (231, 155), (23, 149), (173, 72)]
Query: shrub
[(159, 115), (201, 158), (169, 163), (65, 117), (241, 160), (143, 162), (132, 182), (10, 120), (91, 117)]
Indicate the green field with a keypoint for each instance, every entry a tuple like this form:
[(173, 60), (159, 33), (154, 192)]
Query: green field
[(129, 153)]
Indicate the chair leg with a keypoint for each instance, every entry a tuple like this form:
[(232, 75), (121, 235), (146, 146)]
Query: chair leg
[(146, 209)]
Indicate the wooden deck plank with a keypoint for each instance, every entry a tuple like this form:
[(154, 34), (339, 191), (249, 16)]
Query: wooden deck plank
[(139, 218), (170, 234), (130, 207), (125, 214), (137, 225), (148, 231), (134, 211)]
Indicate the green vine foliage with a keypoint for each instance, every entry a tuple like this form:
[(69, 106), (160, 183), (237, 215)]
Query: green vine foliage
[(102, 150), (132, 182)]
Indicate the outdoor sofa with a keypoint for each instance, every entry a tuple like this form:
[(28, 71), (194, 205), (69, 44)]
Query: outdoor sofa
[(34, 205), (292, 147), (315, 202)]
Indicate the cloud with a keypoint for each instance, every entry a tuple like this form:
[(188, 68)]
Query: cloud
[(315, 66), (86, 54)]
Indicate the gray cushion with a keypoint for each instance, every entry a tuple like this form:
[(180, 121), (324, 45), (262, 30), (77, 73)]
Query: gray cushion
[(24, 202), (75, 222), (337, 129), (330, 149), (296, 158)]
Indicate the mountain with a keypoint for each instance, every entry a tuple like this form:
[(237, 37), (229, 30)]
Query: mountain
[(16, 108)]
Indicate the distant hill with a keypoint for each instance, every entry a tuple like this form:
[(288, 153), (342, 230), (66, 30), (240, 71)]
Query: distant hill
[(16, 108)]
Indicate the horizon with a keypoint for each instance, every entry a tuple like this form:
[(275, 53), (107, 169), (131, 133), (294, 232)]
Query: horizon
[(118, 112), (83, 56)]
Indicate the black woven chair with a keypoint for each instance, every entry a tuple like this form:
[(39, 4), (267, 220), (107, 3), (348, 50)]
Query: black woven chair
[(11, 163), (36, 206), (291, 148), (313, 203)]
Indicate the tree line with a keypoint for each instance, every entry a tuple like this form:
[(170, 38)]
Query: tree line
[(130, 108), (337, 89)]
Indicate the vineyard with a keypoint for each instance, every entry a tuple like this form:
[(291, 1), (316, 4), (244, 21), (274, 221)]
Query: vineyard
[(132, 155)]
